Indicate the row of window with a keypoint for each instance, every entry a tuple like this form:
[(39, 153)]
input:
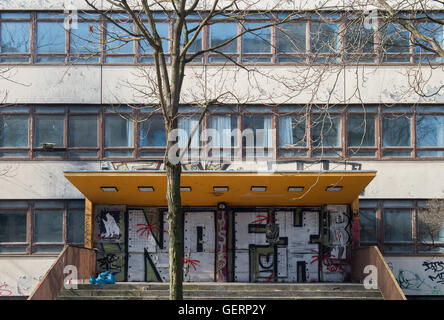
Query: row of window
[(94, 132), (40, 227), (54, 37), (398, 226)]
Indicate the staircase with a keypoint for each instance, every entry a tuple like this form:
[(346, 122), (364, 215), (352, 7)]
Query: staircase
[(223, 291)]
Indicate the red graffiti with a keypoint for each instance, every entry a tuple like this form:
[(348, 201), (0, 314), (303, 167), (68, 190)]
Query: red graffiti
[(190, 262), (326, 259), (148, 228), (270, 277), (91, 28), (3, 291), (261, 219)]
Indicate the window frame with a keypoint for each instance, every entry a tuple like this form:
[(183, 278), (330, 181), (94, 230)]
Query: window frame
[(31, 245)]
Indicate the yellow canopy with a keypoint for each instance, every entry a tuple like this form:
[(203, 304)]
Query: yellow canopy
[(240, 185)]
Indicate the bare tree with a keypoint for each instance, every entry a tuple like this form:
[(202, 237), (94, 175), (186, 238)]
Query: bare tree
[(333, 50)]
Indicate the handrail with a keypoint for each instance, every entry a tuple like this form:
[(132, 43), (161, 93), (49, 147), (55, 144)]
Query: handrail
[(83, 259), (371, 256)]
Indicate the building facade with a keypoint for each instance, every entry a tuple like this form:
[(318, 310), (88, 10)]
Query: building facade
[(322, 112)]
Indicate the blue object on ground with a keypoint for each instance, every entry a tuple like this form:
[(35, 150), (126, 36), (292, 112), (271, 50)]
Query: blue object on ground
[(104, 278)]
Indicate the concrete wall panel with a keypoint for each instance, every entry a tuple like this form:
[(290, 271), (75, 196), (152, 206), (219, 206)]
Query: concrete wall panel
[(20, 275)]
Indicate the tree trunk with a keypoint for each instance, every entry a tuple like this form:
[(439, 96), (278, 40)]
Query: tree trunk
[(175, 220)]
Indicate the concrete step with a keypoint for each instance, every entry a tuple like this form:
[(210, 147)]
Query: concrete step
[(223, 293), (219, 298), (226, 286)]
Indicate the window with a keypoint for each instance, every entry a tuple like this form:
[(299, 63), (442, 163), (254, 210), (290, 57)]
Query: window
[(359, 42), (361, 139), (48, 226), (189, 127), (13, 226), (257, 135), (433, 30), (197, 43), (324, 40), (49, 129), (326, 135), (395, 43), (397, 228), (223, 136), (152, 132), (119, 46), (13, 131), (367, 223), (14, 36), (396, 133), (50, 40), (257, 41), (76, 226), (146, 50), (83, 131), (430, 133), (220, 33), (85, 39), (44, 221), (292, 131), (118, 134)]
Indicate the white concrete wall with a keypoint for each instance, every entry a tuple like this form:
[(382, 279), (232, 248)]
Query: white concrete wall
[(394, 179), (41, 179), (20, 275), (273, 84)]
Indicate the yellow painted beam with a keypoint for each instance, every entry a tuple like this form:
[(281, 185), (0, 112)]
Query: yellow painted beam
[(89, 224), (239, 184)]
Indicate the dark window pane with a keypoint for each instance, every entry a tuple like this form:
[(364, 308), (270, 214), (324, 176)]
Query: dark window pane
[(48, 226), (358, 39), (292, 131), (13, 131), (361, 130), (14, 37), (163, 31), (257, 41), (49, 129), (257, 131), (118, 40), (396, 131), (50, 37), (326, 131), (397, 225), (152, 132), (118, 132), (83, 131), (197, 43), (367, 223), (395, 39), (221, 32), (76, 226), (429, 29), (430, 131), (13, 226), (291, 37), (86, 38), (324, 37)]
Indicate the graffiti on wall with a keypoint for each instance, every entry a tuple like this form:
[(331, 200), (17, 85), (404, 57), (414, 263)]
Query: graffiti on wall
[(109, 239), (418, 276), (4, 290), (222, 248), (302, 245)]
